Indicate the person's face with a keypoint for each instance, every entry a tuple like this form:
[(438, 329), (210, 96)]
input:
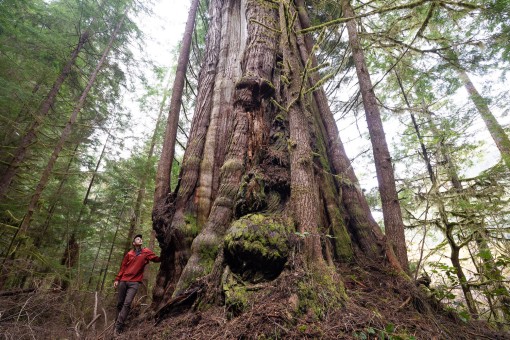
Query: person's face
[(137, 241)]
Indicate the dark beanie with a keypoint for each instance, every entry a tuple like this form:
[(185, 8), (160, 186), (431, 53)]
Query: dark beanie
[(139, 235)]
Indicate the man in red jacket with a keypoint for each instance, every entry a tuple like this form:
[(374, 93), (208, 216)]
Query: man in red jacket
[(129, 278)]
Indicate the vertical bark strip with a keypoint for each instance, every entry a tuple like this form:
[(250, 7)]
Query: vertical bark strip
[(228, 73), (167, 229), (190, 168), (390, 204), (360, 220)]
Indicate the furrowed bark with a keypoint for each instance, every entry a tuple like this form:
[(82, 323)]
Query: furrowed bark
[(169, 217), (257, 65), (304, 190), (359, 218), (228, 72)]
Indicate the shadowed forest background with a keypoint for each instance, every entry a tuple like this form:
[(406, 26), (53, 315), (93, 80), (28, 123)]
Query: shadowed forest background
[(307, 169)]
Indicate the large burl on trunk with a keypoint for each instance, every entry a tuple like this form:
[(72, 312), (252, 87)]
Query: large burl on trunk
[(267, 199)]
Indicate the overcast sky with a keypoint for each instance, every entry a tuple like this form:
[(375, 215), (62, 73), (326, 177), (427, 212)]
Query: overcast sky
[(165, 27), (163, 31)]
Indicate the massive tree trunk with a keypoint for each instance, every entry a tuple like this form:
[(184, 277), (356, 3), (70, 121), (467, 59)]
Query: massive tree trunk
[(265, 177), (267, 219), (392, 214)]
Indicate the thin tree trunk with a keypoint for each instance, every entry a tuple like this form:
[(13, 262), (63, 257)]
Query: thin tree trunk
[(31, 135), (167, 152), (455, 258), (304, 192), (69, 263), (112, 246), (392, 214), (497, 132), (101, 239), (489, 269), (66, 132), (135, 219), (38, 239), (94, 174), (445, 224)]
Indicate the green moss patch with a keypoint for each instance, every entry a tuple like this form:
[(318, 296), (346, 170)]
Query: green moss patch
[(319, 292), (257, 247)]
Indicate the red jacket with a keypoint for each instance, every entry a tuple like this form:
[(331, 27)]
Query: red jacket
[(132, 266)]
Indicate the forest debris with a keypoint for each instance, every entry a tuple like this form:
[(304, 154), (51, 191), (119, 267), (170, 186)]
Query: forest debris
[(17, 292), (183, 299)]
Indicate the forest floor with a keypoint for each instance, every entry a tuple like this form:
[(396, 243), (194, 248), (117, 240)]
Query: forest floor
[(379, 306)]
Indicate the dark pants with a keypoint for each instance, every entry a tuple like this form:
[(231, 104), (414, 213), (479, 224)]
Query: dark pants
[(127, 291)]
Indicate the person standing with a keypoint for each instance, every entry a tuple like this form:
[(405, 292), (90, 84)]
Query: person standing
[(130, 276)]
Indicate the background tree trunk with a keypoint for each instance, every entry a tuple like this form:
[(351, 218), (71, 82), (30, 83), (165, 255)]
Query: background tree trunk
[(31, 135), (167, 152), (67, 131), (393, 223)]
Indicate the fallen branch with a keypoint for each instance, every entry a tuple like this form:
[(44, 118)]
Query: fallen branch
[(93, 320), (17, 292)]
